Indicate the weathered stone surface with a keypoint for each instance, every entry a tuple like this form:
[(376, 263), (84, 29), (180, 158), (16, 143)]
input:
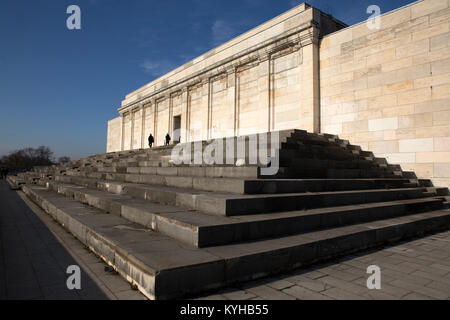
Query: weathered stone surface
[(406, 66), (330, 198)]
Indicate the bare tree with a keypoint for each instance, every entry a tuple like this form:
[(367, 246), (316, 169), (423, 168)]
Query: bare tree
[(27, 158)]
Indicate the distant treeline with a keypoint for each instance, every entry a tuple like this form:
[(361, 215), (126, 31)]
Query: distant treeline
[(26, 159)]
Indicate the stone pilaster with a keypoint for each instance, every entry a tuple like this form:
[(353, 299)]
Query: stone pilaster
[(236, 102), (132, 130), (184, 114), (309, 75), (264, 80), (155, 121), (170, 124), (142, 126), (210, 101), (122, 132), (206, 88)]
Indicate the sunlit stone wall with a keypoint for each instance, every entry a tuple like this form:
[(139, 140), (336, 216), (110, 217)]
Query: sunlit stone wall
[(388, 90), (385, 89), (263, 80)]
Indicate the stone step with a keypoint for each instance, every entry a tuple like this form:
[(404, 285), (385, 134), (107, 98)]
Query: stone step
[(322, 154), (335, 148), (286, 157), (240, 186), (423, 182), (120, 156), (157, 153), (310, 173), (122, 180), (164, 268), (311, 139), (295, 137), (324, 163), (306, 143), (234, 204), (286, 161), (439, 191), (185, 175), (202, 230), (307, 170), (270, 186), (231, 205), (118, 173)]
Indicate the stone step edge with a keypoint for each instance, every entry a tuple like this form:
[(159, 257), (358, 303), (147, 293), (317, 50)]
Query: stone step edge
[(233, 205), (222, 185), (144, 276), (196, 234), (221, 203), (246, 172)]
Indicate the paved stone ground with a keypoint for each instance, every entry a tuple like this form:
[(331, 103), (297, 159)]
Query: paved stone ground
[(35, 252), (419, 269)]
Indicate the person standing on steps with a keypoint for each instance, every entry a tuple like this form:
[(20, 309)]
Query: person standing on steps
[(150, 140), (167, 140)]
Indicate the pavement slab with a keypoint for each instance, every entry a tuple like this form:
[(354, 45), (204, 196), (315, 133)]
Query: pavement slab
[(35, 252)]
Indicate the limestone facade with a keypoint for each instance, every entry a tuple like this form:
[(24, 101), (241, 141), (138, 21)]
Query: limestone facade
[(263, 80), (386, 89)]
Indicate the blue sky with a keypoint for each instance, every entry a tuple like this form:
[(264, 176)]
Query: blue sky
[(59, 87)]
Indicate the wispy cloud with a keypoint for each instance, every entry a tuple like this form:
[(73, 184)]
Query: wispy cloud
[(157, 68), (221, 32)]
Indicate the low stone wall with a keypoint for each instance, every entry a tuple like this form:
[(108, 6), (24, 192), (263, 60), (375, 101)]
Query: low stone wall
[(388, 90)]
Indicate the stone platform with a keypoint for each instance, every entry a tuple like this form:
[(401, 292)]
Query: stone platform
[(178, 230)]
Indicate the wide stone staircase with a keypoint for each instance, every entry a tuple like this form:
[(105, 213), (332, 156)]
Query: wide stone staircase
[(178, 230)]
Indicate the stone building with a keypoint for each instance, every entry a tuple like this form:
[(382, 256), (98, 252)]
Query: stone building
[(386, 89)]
